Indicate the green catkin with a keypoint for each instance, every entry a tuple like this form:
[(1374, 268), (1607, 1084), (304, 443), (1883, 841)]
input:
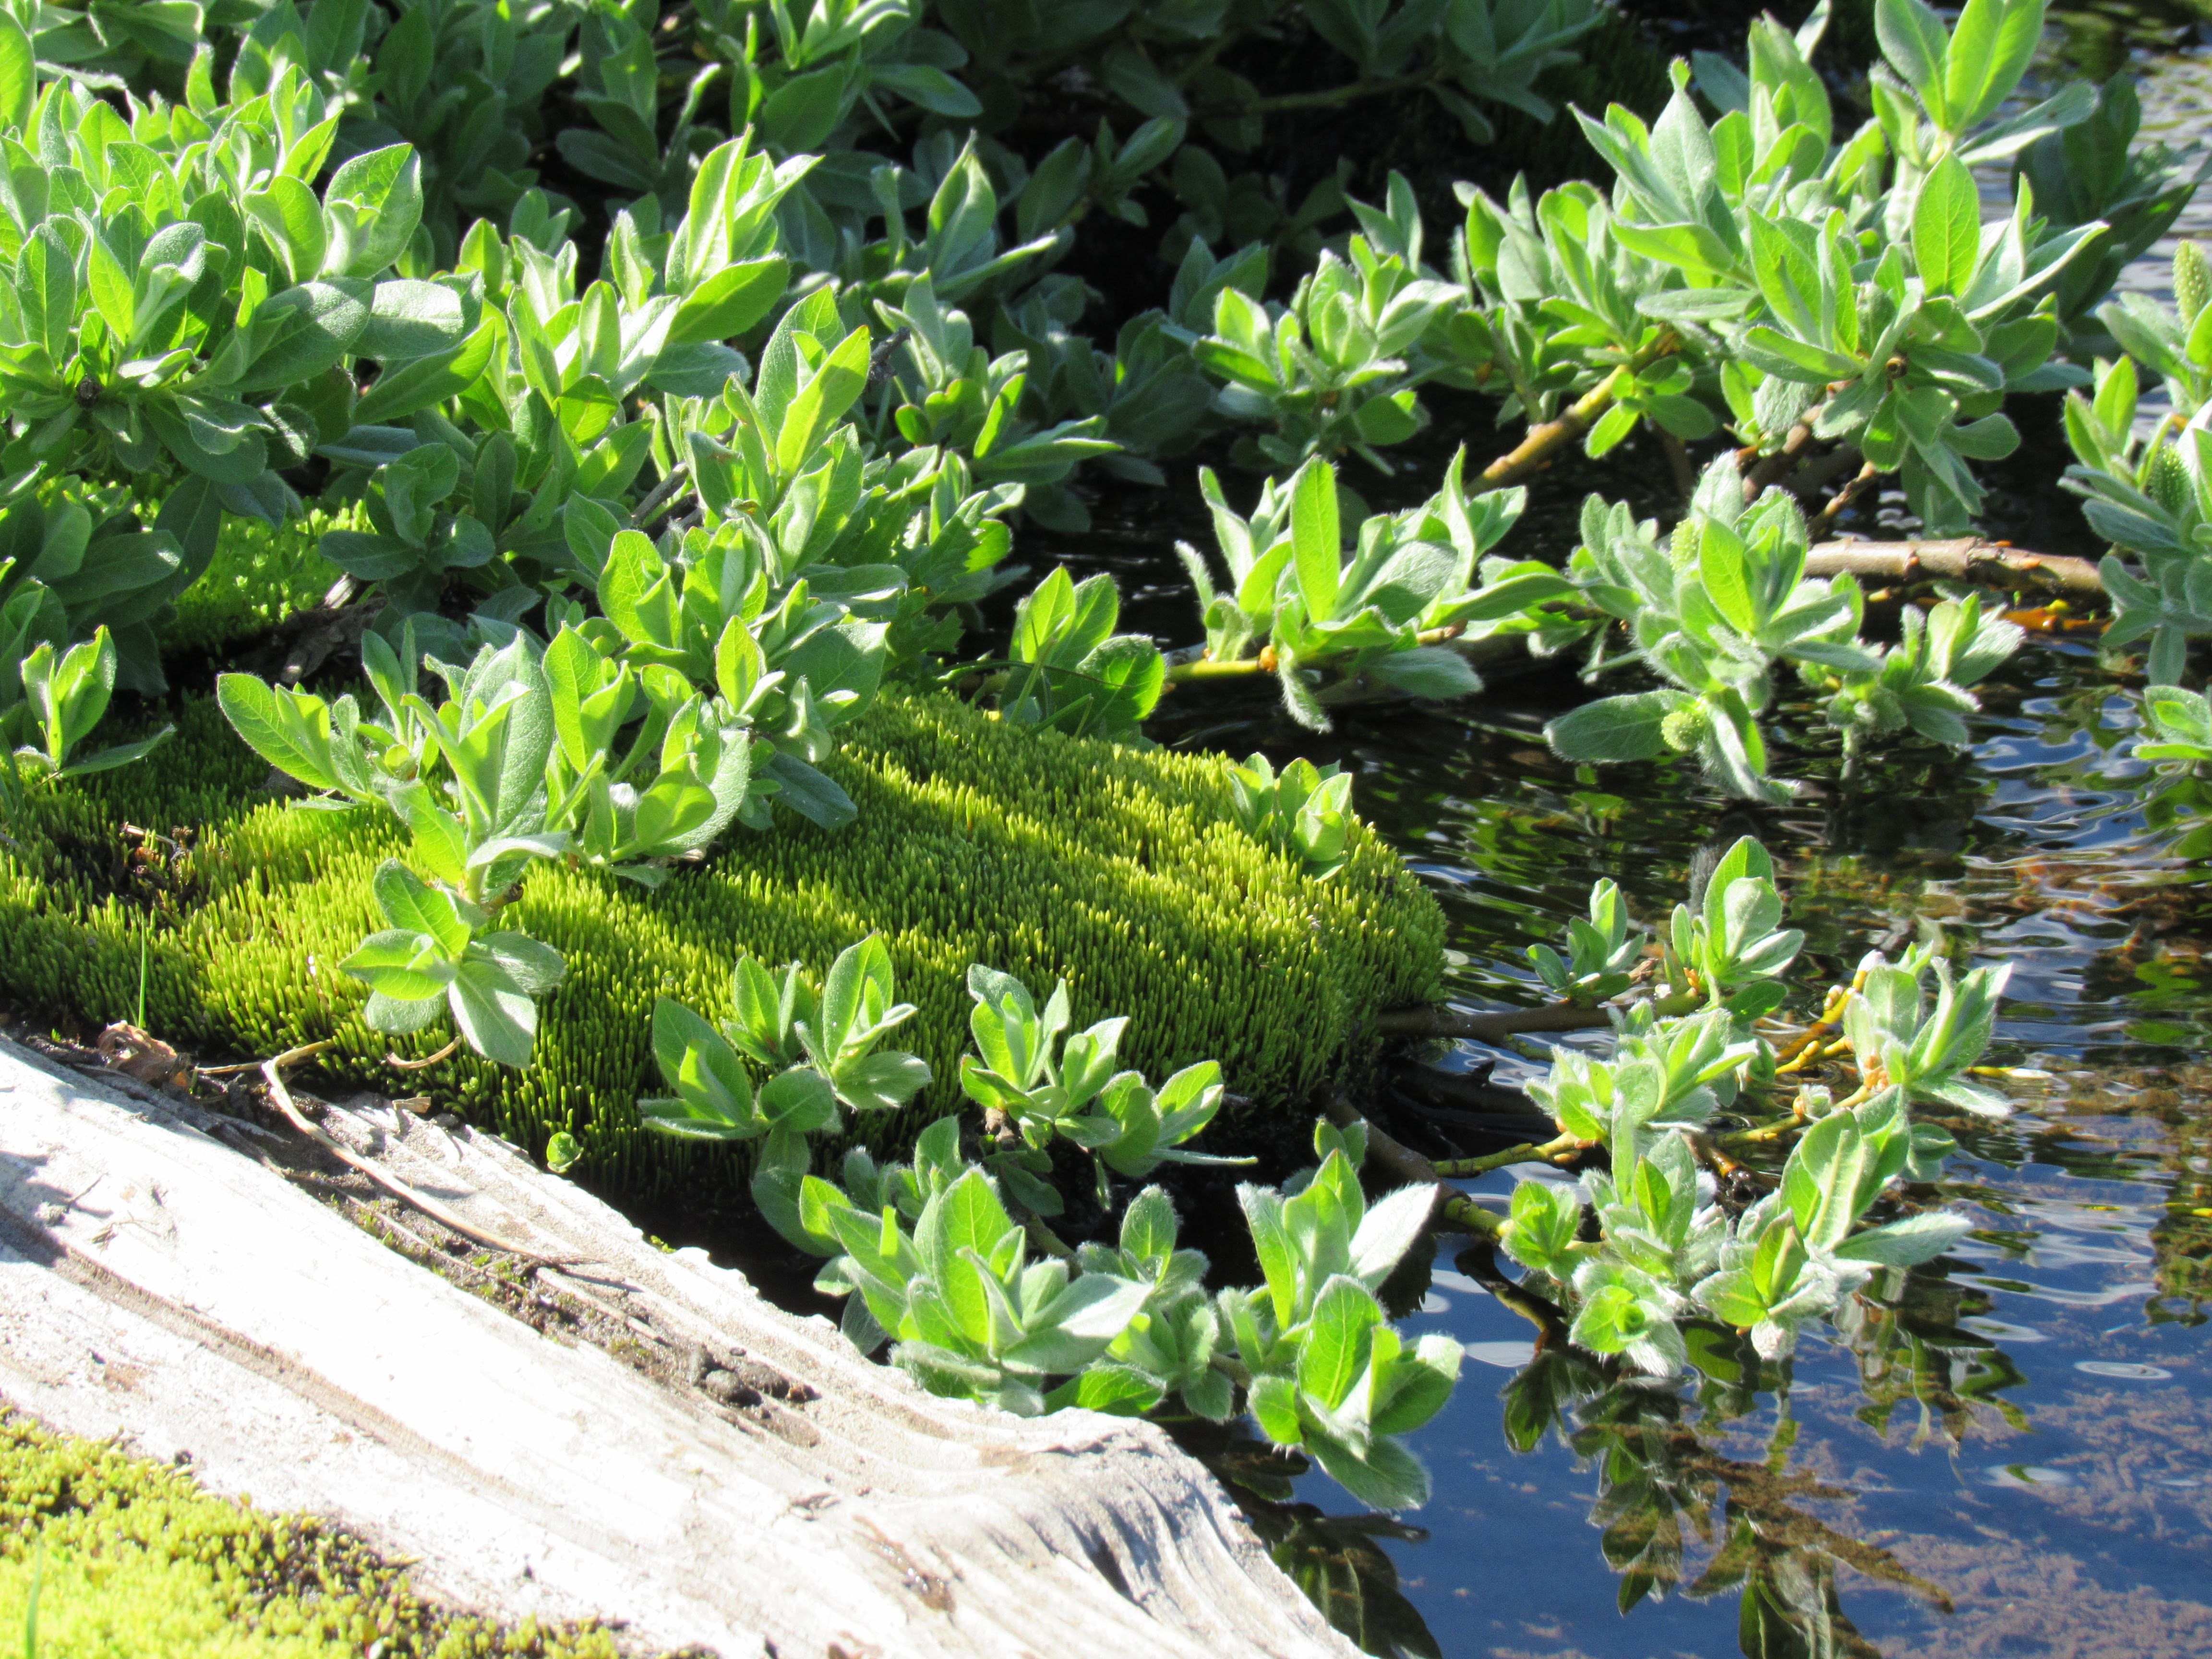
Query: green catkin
[(976, 841)]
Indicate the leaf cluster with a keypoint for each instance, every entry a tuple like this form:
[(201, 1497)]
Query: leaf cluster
[(1665, 1249)]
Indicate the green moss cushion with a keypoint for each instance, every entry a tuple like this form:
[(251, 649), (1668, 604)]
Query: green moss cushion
[(1045, 855), (259, 577), (133, 1560)]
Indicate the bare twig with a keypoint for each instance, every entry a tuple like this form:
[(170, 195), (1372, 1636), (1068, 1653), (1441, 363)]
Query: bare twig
[(1435, 1022), (1678, 463), (272, 1071), (1769, 469), (426, 1061), (1861, 481), (1409, 1165), (1968, 558), (660, 497)]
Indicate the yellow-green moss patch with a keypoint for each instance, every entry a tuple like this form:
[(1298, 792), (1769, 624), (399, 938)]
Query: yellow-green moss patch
[(133, 1560), (1045, 855)]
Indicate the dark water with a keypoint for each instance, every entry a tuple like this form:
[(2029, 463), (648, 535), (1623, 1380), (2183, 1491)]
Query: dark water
[(2013, 1455), (2009, 1453)]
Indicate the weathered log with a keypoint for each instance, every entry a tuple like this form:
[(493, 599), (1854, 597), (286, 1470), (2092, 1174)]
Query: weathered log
[(156, 1283)]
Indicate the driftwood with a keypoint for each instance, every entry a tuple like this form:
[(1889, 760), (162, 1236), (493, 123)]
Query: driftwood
[(746, 1482)]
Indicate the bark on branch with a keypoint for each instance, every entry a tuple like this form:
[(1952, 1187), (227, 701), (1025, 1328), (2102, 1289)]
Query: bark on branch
[(1403, 1162), (1968, 558), (1435, 1022)]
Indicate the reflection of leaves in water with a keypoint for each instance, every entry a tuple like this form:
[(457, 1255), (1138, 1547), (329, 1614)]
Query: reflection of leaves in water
[(1907, 1342), (1334, 1559), (2182, 809), (1666, 1488), (2182, 1238), (1789, 1611)]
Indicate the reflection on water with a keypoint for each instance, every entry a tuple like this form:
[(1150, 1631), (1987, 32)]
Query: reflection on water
[(2008, 1452)]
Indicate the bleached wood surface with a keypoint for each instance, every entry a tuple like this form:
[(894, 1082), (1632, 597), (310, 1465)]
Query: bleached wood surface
[(156, 1284)]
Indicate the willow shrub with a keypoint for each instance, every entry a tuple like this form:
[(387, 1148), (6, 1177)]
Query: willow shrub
[(1047, 856)]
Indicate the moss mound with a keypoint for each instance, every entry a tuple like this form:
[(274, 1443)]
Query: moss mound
[(259, 576), (1047, 856), (134, 1561)]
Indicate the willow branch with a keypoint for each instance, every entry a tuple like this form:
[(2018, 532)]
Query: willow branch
[(1326, 97), (1190, 662), (1769, 469), (1409, 1165), (1528, 1152), (1434, 1022), (1678, 463), (1862, 481), (1968, 558), (663, 493), (1543, 441)]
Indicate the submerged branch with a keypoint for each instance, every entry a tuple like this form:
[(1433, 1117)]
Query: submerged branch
[(1434, 1022), (1478, 1261)]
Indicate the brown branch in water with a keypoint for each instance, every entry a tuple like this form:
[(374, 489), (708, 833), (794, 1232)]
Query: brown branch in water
[(1435, 1022), (1814, 476), (1408, 1166), (1968, 558), (1770, 469), (1478, 1261)]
